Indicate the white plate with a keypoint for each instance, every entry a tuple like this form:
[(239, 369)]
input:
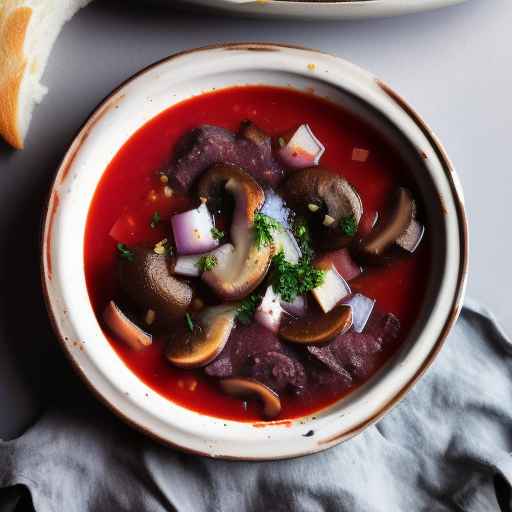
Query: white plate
[(325, 10)]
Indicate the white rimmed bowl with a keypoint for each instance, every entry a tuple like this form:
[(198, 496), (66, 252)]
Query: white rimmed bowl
[(155, 89)]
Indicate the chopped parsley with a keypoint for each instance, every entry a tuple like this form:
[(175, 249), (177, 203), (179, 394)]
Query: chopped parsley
[(189, 322), (348, 225), (124, 252), (217, 234), (301, 232), (207, 262), (247, 307), (155, 220), (263, 227), (292, 279)]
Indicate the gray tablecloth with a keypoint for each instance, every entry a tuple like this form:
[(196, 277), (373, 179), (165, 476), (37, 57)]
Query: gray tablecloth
[(446, 447)]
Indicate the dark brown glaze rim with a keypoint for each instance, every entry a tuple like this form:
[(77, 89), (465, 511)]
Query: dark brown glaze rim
[(62, 171)]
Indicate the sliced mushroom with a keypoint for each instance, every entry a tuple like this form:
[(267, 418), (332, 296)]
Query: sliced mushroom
[(240, 270), (316, 329), (327, 198), (390, 227), (210, 332), (124, 328), (411, 238), (148, 280), (249, 388)]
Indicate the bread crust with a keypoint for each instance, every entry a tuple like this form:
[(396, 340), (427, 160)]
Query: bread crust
[(13, 64)]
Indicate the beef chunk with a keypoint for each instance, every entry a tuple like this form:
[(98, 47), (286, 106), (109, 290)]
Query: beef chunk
[(278, 371), (354, 354), (254, 351), (206, 145)]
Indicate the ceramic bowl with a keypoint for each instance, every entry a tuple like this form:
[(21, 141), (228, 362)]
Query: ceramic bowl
[(315, 10), (177, 78)]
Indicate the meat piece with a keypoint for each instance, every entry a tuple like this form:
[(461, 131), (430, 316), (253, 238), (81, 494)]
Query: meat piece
[(207, 145), (355, 353), (254, 351), (278, 371)]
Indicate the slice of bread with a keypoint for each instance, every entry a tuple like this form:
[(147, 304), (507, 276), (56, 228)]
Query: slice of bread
[(28, 30)]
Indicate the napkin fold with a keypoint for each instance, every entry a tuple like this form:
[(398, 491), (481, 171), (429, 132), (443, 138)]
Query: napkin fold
[(447, 446)]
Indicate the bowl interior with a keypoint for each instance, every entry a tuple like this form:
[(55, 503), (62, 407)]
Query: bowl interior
[(155, 90)]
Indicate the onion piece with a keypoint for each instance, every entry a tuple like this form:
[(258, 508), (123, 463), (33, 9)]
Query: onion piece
[(275, 207), (332, 290), (188, 265), (269, 312), (303, 149), (362, 308), (285, 241), (193, 231), (297, 308), (126, 330)]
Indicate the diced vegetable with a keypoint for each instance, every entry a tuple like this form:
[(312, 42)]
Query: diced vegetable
[(189, 265), (274, 207), (124, 228), (333, 289), (297, 307), (303, 149), (269, 312), (360, 155), (362, 308), (193, 231), (285, 241)]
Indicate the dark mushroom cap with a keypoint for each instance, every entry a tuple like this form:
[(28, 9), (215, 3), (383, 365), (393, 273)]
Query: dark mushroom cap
[(249, 388), (149, 282), (333, 195), (240, 271), (318, 328)]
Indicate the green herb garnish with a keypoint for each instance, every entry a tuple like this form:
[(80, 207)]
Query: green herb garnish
[(247, 307), (207, 262), (190, 323), (281, 142), (292, 279), (124, 252), (217, 234), (301, 232), (155, 220), (263, 227), (348, 225)]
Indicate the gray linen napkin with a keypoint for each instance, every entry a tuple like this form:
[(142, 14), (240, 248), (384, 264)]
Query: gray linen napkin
[(445, 447)]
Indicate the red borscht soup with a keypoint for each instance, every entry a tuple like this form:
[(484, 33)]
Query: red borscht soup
[(256, 253)]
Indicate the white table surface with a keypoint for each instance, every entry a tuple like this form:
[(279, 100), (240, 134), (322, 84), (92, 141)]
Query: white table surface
[(453, 65)]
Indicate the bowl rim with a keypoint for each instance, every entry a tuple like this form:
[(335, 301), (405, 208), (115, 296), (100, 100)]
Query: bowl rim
[(66, 163)]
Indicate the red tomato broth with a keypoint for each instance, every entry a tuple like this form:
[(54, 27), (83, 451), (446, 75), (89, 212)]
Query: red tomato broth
[(132, 178)]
